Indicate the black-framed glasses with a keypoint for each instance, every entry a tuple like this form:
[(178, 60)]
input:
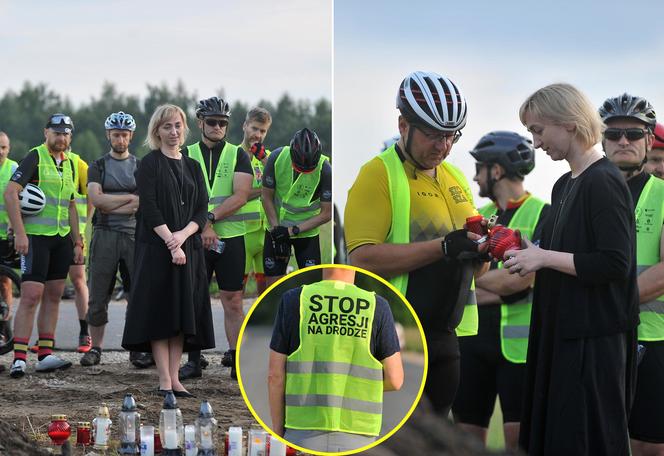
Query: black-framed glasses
[(439, 137), (632, 134), (214, 122)]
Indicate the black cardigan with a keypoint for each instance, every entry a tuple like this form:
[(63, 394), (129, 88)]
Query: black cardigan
[(597, 225)]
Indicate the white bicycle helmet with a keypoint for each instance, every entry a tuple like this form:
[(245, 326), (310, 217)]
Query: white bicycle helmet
[(432, 100), (120, 121), (31, 200)]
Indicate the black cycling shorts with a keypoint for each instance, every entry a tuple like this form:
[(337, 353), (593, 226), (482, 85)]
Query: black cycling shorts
[(228, 265), (443, 376), (307, 253), (486, 373), (48, 258), (646, 422)]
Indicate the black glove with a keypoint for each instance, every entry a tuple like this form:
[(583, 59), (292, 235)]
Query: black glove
[(281, 242), (456, 245), (258, 150)]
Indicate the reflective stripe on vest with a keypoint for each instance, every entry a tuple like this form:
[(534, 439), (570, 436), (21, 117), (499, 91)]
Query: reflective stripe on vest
[(58, 189), (515, 317), (649, 214), (222, 188), (400, 227), (333, 382), (6, 171), (293, 199), (80, 199), (254, 204)]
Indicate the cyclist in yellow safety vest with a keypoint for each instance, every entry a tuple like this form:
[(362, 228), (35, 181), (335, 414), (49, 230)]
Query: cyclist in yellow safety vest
[(7, 168), (297, 198), (404, 220), (655, 156), (493, 361), (327, 376), (631, 122), (46, 241), (228, 178), (255, 128)]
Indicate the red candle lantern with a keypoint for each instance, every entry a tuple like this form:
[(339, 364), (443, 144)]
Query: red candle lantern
[(59, 429), (83, 435), (157, 442)]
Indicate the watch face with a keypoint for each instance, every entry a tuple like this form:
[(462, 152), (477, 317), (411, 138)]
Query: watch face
[(210, 216)]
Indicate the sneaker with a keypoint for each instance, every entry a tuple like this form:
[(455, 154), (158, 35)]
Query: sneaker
[(141, 360), (84, 343), (18, 369), (190, 370), (229, 358), (52, 363), (204, 362), (91, 358)]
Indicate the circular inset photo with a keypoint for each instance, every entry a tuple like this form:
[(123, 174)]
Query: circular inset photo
[(332, 359)]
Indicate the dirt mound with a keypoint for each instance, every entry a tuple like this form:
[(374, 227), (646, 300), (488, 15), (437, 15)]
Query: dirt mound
[(16, 443)]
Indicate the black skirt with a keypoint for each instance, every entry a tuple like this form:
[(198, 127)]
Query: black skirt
[(167, 299)]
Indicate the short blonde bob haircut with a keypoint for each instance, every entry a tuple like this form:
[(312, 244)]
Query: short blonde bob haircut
[(565, 104), (162, 115)]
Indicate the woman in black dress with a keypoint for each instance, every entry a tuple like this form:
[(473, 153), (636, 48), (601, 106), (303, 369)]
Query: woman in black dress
[(581, 363), (169, 309)]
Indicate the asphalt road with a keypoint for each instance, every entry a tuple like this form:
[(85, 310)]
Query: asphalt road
[(66, 334)]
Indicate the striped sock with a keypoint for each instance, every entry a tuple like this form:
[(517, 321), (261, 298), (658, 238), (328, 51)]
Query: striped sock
[(46, 342), (21, 348)]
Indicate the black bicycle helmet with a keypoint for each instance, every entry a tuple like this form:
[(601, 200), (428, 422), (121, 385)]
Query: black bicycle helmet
[(628, 106), (432, 100), (510, 150), (305, 150), (213, 106)]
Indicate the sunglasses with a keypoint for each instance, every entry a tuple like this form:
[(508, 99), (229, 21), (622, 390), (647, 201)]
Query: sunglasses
[(439, 137), (214, 122), (632, 134), (479, 167), (60, 120)]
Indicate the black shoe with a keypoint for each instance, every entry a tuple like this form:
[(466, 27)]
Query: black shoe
[(204, 362), (91, 358), (229, 358), (190, 370), (182, 394), (6, 346), (233, 373), (141, 360), (162, 392)]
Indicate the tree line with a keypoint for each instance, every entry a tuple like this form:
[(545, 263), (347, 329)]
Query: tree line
[(23, 115)]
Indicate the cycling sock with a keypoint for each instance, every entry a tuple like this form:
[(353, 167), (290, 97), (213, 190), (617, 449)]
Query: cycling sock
[(21, 348), (84, 328), (46, 343)]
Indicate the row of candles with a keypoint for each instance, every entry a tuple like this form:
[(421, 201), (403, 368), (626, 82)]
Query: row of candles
[(171, 438)]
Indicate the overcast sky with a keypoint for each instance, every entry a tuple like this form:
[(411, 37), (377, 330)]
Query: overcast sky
[(498, 53), (258, 49)]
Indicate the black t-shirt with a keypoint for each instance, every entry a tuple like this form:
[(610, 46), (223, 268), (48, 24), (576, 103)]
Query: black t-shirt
[(28, 169), (286, 333), (324, 189), (636, 185), (211, 159)]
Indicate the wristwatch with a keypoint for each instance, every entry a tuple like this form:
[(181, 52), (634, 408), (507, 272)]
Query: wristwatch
[(295, 229), (211, 218)]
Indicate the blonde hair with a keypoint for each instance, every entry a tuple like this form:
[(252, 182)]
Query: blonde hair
[(565, 104), (159, 117)]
